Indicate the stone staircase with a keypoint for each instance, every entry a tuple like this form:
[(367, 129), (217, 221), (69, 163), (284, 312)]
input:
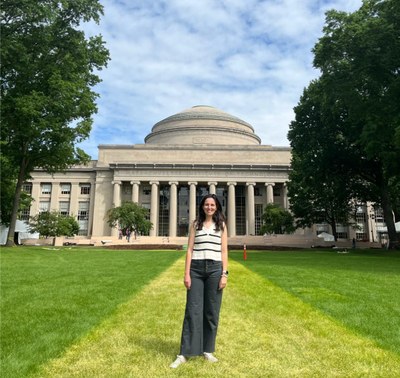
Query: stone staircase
[(235, 242)]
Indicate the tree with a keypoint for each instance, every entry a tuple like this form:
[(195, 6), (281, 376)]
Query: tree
[(320, 187), (359, 85), (54, 224), (129, 216), (7, 191), (47, 72), (277, 220)]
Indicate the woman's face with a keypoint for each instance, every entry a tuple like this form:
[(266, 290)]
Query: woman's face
[(210, 207)]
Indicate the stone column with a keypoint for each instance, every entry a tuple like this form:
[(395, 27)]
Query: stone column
[(36, 195), (251, 215), (285, 197), (270, 192), (154, 207), (116, 203), (192, 202), (100, 227), (55, 193), (173, 208), (212, 187), (117, 193), (74, 199), (370, 223), (135, 191), (91, 207), (231, 209)]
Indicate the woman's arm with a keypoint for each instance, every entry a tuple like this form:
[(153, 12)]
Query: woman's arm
[(187, 279), (224, 256)]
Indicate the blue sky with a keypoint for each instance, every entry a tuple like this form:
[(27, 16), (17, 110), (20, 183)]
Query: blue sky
[(249, 58)]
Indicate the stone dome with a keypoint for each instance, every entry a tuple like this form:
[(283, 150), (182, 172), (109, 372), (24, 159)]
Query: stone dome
[(202, 124)]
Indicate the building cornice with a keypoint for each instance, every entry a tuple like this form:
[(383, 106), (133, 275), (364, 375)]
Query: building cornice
[(200, 167), (191, 147), (204, 129)]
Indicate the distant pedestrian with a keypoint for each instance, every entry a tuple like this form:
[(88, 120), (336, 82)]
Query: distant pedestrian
[(120, 234), (353, 243), (128, 235)]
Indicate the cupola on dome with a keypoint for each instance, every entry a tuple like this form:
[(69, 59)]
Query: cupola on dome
[(202, 124)]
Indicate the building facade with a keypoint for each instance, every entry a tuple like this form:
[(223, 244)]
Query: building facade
[(185, 156)]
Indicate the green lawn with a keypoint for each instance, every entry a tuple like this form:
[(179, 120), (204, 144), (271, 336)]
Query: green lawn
[(360, 289), (51, 298), (87, 312)]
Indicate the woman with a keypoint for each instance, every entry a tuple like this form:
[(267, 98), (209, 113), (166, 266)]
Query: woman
[(206, 274)]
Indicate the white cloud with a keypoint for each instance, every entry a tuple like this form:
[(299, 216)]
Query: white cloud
[(249, 58)]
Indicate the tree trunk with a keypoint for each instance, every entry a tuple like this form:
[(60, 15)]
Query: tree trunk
[(389, 218), (17, 197), (334, 230)]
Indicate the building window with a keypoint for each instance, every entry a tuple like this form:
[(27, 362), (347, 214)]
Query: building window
[(342, 235), (258, 218), (65, 188), (83, 217), (44, 206), (126, 188), (361, 236), (83, 210), (27, 188), (85, 188), (46, 188), (63, 207), (257, 191), (163, 213), (147, 207), (183, 210), (379, 215), (322, 227), (201, 191), (240, 199), (146, 190), (277, 191), (222, 195), (25, 214), (360, 217)]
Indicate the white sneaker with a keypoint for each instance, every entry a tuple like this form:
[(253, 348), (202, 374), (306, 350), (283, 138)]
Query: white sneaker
[(179, 360), (210, 357)]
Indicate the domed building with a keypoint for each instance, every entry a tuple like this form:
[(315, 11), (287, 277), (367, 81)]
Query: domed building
[(192, 125), (197, 151)]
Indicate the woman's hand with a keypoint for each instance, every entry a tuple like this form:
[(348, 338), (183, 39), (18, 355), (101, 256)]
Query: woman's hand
[(222, 282), (187, 281)]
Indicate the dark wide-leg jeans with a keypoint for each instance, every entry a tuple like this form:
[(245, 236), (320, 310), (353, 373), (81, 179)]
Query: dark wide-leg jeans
[(203, 303)]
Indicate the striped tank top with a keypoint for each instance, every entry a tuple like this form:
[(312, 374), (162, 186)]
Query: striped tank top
[(207, 244)]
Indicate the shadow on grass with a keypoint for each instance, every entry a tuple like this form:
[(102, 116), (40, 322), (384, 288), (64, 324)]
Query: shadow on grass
[(373, 261), (358, 289), (157, 345), (52, 298)]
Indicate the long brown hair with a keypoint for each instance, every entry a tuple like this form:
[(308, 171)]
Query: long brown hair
[(218, 217)]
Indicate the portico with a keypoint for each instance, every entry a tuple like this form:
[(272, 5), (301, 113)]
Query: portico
[(173, 204)]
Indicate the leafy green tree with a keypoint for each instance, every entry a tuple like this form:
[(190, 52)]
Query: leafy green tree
[(276, 220), (48, 68), (54, 224), (129, 216), (7, 191), (320, 187), (359, 91), (67, 226)]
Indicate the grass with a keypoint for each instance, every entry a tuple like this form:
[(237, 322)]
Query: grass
[(358, 289), (52, 298), (284, 314)]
